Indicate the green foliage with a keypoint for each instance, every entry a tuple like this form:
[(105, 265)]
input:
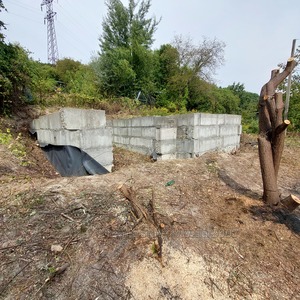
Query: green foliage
[(15, 76), (15, 146), (294, 111), (5, 137), (248, 107), (126, 63), (223, 101), (43, 81)]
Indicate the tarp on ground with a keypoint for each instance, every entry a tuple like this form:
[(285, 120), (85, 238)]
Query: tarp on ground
[(72, 161)]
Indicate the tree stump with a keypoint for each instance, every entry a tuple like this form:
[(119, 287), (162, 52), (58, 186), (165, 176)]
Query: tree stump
[(272, 132), (291, 202)]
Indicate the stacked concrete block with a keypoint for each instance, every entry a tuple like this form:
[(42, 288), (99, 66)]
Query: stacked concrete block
[(181, 136), (147, 135), (199, 133), (85, 129)]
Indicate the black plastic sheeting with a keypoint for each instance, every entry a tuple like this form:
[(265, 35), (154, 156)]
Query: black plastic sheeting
[(72, 161)]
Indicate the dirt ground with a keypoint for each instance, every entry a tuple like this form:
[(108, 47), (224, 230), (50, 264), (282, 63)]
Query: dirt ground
[(178, 229)]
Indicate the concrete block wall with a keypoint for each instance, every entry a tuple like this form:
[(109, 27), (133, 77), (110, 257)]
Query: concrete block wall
[(147, 134), (201, 132), (85, 129), (180, 136)]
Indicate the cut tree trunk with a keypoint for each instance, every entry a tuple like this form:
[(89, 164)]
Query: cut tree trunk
[(291, 202), (272, 132)]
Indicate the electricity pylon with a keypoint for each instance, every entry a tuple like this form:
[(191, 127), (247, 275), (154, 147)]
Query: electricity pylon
[(51, 36)]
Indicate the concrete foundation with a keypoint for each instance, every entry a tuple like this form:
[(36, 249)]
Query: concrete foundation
[(85, 129), (181, 136)]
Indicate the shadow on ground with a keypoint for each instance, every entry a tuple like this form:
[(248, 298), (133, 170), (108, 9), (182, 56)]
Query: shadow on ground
[(279, 216)]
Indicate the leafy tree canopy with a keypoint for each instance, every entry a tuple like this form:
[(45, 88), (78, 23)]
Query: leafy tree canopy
[(126, 63), (127, 26)]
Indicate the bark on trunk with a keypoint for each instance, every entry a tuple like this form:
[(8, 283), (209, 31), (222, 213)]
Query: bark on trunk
[(272, 132)]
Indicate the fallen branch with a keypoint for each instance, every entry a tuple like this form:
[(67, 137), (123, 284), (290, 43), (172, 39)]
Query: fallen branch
[(67, 217), (130, 195)]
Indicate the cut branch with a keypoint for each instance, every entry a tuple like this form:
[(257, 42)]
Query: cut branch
[(282, 127), (130, 195), (291, 202)]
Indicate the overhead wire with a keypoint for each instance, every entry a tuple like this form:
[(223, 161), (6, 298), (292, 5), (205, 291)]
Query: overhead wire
[(27, 6), (78, 28), (67, 37)]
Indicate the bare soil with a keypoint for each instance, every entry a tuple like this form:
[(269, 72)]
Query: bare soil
[(204, 235)]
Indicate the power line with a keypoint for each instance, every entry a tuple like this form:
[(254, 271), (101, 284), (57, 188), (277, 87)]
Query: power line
[(27, 7), (51, 36)]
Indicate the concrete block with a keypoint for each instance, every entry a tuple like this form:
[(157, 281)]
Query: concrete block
[(233, 119), (52, 121), (185, 132), (205, 145), (74, 118), (71, 119), (134, 131), (221, 119), (165, 147), (122, 131), (92, 138), (229, 130), (103, 156), (121, 140), (205, 131), (149, 132), (185, 146), (187, 119), (136, 122), (141, 142), (166, 134), (207, 119), (60, 137), (168, 121), (233, 140), (82, 139)]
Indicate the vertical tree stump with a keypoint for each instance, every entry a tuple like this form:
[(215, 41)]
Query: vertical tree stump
[(272, 132)]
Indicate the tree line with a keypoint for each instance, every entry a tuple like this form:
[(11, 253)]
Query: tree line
[(176, 78)]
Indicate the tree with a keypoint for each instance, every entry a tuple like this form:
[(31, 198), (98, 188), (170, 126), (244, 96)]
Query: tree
[(272, 132), (126, 63), (247, 107), (224, 101), (202, 59), (15, 75), (2, 25), (43, 81), (183, 72)]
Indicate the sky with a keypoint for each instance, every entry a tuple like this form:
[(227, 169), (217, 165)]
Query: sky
[(258, 33)]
